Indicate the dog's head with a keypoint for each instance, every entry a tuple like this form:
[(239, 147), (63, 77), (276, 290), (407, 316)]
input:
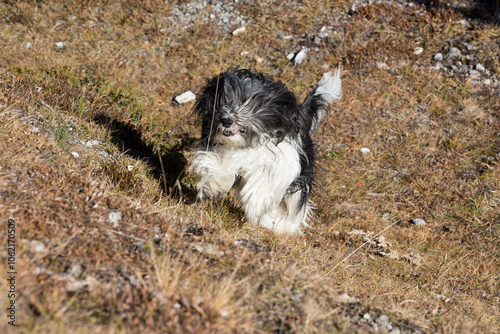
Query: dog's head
[(243, 109)]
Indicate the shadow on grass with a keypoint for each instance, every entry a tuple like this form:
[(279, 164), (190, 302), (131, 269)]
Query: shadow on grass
[(483, 10), (169, 170)]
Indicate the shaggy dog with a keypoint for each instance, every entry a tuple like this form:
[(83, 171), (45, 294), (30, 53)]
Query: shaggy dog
[(257, 138)]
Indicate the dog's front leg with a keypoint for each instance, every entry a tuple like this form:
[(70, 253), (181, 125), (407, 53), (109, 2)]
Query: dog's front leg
[(215, 180)]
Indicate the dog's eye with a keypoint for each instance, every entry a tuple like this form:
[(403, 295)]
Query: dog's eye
[(243, 130)]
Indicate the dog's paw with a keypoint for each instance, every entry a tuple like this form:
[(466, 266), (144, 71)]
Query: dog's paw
[(214, 188)]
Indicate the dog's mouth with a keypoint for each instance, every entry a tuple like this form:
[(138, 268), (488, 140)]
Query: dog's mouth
[(229, 133)]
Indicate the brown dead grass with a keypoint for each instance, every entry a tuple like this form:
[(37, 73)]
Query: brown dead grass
[(171, 265)]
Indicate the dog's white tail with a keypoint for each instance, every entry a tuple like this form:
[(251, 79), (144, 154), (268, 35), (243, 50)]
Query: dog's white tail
[(316, 103)]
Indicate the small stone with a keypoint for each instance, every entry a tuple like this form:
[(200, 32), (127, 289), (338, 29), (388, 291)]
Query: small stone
[(299, 57), (91, 143), (365, 150), (36, 246), (438, 66), (114, 217), (464, 22), (382, 66), (177, 306), (287, 37), (244, 53), (385, 321), (438, 56), (323, 35), (206, 248), (224, 313), (130, 167), (239, 30), (454, 52), (418, 50), (28, 45), (185, 97), (60, 45), (384, 318), (418, 222), (259, 60), (463, 68), (474, 74), (366, 316), (480, 68), (75, 154), (454, 68), (487, 82), (345, 298)]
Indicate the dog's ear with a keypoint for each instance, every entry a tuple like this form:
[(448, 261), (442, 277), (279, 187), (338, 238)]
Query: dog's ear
[(209, 97)]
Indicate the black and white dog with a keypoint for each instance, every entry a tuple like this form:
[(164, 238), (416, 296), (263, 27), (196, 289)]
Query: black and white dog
[(257, 138)]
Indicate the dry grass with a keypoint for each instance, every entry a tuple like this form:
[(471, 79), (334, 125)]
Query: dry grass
[(173, 265)]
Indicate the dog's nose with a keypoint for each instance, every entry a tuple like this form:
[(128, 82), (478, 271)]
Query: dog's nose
[(226, 121)]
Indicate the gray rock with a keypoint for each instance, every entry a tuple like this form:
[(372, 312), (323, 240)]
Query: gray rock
[(463, 69), (299, 57), (454, 52), (114, 217), (438, 56), (454, 68), (384, 320), (474, 74), (36, 246), (185, 97), (418, 222), (480, 68)]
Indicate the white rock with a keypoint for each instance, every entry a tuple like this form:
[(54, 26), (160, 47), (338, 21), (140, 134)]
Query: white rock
[(480, 68), (75, 154), (239, 30), (418, 222), (244, 53), (185, 97), (288, 37), (300, 57), (438, 56), (290, 56), (366, 316), (365, 150), (224, 313), (487, 82), (28, 45), (418, 50), (91, 143), (464, 22), (345, 298), (454, 52), (36, 246), (130, 167), (474, 74), (114, 217), (60, 45), (382, 66)]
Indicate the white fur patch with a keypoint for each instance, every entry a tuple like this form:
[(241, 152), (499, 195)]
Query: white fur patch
[(266, 173)]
